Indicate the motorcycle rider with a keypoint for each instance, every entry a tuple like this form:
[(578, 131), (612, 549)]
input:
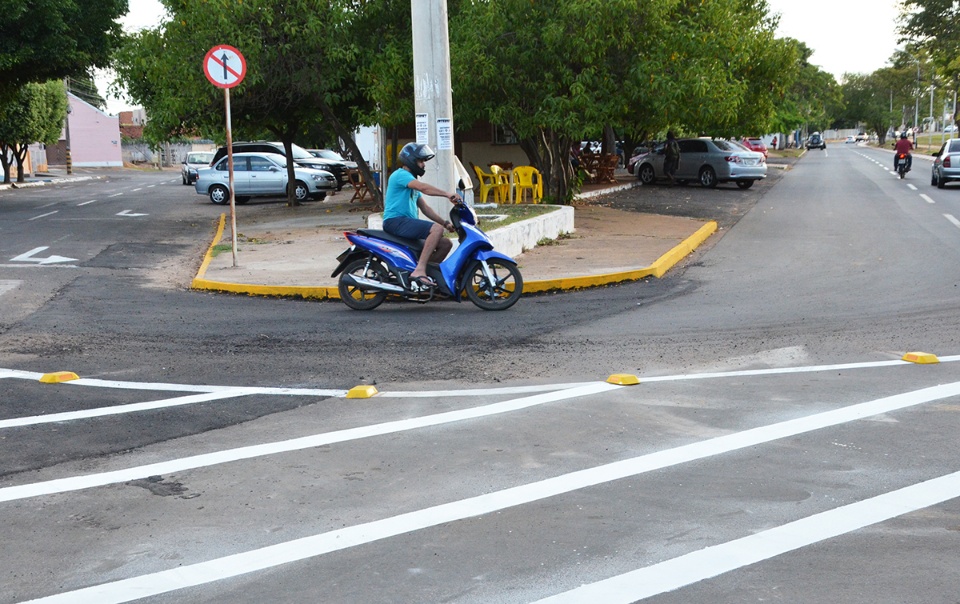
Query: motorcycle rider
[(903, 146), (404, 196)]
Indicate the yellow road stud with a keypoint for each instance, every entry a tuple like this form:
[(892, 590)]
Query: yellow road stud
[(922, 358), (362, 392), (58, 376), (624, 379)]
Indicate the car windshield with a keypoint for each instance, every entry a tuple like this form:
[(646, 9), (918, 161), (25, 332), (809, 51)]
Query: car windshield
[(726, 146), (755, 141), (329, 154), (299, 152), (199, 158), (955, 145), (737, 145)]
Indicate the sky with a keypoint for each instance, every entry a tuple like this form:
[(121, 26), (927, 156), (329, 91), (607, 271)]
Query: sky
[(847, 36)]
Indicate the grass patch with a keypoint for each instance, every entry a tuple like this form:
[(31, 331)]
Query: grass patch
[(560, 238), (784, 152), (513, 213), (221, 248)]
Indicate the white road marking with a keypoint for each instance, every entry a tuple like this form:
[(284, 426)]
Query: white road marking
[(911, 187), (28, 257), (44, 215), (8, 285), (718, 559), (130, 213), (926, 198), (117, 194), (76, 483), (137, 189), (950, 217), (271, 556), (86, 202), (120, 409)]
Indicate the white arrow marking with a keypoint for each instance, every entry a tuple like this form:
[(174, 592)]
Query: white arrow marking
[(130, 213), (28, 257)]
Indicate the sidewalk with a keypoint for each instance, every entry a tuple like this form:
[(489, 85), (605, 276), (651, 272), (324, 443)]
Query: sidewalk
[(292, 252)]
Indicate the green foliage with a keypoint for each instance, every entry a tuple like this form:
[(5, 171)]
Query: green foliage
[(814, 98), (52, 39), (930, 28), (34, 114)]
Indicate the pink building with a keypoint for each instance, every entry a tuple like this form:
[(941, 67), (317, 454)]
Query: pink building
[(94, 137)]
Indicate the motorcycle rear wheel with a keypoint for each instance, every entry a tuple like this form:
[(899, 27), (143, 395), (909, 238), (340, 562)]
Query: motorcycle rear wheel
[(500, 294), (356, 297)]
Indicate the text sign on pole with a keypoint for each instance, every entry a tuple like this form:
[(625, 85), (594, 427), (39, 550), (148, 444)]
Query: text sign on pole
[(224, 66)]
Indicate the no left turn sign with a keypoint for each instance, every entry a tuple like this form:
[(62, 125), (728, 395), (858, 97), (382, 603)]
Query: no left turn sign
[(224, 66)]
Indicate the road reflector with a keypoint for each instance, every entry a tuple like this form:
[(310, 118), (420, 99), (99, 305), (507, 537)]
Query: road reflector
[(362, 392), (922, 358), (624, 379), (58, 376)]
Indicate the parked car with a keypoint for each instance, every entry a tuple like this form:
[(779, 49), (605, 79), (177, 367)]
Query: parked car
[(300, 156), (849, 140), (946, 164), (754, 144), (950, 128), (262, 175), (816, 141), (194, 161), (641, 151), (708, 161), (862, 137)]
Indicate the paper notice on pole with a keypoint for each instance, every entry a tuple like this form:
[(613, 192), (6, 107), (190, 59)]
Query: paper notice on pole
[(444, 134), (423, 129)]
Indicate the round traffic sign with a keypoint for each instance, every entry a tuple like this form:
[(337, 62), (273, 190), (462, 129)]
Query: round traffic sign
[(224, 66)]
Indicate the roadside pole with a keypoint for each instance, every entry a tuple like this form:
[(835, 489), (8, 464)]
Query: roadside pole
[(433, 95), (225, 67)]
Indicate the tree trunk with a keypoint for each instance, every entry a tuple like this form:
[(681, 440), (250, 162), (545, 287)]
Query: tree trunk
[(549, 153), (5, 162), (355, 151), (20, 154)]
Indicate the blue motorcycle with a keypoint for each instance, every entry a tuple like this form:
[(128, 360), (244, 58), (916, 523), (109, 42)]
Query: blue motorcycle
[(378, 264)]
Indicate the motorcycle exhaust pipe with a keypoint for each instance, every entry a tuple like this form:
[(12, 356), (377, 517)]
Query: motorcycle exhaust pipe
[(364, 283)]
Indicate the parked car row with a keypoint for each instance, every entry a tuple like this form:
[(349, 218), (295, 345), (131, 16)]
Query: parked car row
[(300, 156), (261, 174), (946, 164)]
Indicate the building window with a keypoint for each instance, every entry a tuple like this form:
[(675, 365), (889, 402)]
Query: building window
[(503, 135)]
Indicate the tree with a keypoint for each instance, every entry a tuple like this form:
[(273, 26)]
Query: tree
[(930, 27), (557, 70), (53, 39), (302, 66), (35, 114), (814, 98)]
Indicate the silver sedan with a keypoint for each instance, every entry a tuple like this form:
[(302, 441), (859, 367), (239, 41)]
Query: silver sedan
[(262, 175), (946, 164), (708, 161)]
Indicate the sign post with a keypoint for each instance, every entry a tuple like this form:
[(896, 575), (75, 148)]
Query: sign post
[(225, 67)]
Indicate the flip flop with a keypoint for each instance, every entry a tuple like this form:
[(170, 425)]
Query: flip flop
[(424, 281)]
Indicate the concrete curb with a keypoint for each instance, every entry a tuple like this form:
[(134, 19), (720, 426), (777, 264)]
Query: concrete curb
[(657, 269)]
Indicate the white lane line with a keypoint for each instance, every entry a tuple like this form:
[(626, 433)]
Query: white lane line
[(76, 483), (718, 559), (911, 187), (86, 202), (950, 217), (271, 556), (151, 186), (120, 409), (117, 194), (44, 215), (137, 189), (926, 198)]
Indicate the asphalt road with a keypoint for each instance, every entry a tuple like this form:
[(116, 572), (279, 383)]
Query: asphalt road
[(776, 449)]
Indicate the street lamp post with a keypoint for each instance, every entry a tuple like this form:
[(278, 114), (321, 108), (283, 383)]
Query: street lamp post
[(916, 106)]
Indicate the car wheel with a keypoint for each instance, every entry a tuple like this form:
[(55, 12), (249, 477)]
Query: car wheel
[(184, 179), (646, 174), (933, 178), (941, 182), (219, 194), (300, 191), (319, 196), (242, 199), (708, 178), (744, 184)]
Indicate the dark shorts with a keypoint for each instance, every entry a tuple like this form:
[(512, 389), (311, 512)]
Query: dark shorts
[(411, 228)]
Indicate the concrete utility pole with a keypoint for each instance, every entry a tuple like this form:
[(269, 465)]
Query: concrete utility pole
[(433, 95)]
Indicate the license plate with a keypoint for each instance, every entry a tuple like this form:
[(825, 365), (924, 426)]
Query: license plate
[(749, 162)]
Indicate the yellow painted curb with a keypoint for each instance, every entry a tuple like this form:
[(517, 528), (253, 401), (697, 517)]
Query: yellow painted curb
[(657, 269), (362, 392), (921, 358), (624, 379), (58, 376), (302, 291)]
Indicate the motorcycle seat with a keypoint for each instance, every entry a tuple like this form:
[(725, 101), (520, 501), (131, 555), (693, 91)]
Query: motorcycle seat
[(415, 245)]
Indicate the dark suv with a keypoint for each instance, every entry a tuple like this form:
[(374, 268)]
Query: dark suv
[(300, 156), (816, 141)]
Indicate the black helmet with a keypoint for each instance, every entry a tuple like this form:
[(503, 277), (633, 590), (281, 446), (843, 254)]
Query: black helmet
[(412, 152), (903, 134)]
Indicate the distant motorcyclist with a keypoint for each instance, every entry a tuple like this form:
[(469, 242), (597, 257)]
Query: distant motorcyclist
[(903, 146)]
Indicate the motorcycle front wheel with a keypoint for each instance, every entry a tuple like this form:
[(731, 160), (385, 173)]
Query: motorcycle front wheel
[(498, 291), (355, 296)]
